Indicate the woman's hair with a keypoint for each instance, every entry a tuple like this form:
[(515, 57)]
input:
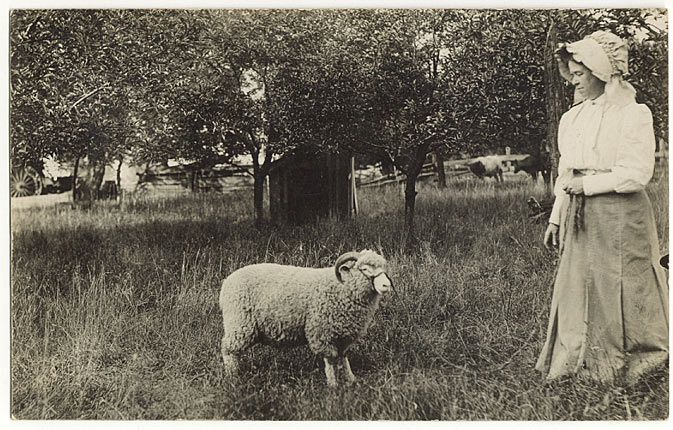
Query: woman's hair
[(566, 56)]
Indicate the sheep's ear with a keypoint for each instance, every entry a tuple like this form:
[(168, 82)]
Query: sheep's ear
[(345, 270), (344, 264)]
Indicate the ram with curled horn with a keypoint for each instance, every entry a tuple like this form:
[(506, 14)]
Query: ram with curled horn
[(328, 308)]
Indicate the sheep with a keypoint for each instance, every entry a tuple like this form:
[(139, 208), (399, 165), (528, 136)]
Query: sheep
[(327, 308), (487, 166)]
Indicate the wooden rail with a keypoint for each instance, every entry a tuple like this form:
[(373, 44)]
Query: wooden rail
[(428, 169)]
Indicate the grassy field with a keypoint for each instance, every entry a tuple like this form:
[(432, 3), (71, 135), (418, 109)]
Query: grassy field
[(115, 315)]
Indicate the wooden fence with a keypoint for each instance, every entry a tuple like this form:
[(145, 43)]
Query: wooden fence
[(397, 177), (456, 168), (178, 179)]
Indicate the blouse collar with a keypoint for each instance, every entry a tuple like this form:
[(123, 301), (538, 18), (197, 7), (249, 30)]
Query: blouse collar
[(600, 100)]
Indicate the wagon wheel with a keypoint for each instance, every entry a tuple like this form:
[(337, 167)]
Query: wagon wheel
[(25, 182)]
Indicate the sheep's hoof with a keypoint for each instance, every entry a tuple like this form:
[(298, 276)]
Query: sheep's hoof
[(230, 365), (330, 372)]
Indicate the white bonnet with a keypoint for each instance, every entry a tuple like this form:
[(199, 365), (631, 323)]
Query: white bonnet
[(607, 56)]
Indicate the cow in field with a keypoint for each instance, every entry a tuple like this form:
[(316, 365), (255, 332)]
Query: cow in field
[(533, 165), (487, 166)]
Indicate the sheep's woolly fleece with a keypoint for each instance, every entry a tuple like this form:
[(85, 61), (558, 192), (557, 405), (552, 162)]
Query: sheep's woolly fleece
[(288, 305)]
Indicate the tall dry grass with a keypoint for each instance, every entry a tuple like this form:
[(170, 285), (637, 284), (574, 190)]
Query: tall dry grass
[(114, 313)]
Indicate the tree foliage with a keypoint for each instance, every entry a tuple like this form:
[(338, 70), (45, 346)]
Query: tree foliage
[(65, 79), (207, 85)]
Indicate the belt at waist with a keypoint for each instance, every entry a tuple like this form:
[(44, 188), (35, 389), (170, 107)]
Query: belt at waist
[(589, 172), (578, 200)]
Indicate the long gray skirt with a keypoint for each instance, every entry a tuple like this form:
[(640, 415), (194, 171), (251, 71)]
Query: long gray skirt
[(609, 310)]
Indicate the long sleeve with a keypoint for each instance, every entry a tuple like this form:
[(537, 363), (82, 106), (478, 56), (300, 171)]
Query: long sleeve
[(561, 196), (634, 162), (564, 175)]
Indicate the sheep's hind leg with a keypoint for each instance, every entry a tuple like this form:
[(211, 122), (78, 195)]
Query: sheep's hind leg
[(347, 370), (330, 371), (229, 358)]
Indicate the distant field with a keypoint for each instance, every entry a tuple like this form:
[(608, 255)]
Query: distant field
[(115, 315)]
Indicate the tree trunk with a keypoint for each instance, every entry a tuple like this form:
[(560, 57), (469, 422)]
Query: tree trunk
[(74, 180), (409, 210), (556, 100), (93, 179), (192, 181), (414, 167), (119, 179), (259, 173), (439, 167), (97, 175), (119, 173), (259, 198)]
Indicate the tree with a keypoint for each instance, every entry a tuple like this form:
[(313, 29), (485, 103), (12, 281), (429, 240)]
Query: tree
[(206, 86), (556, 98), (509, 92), (398, 113), (263, 51), (68, 94)]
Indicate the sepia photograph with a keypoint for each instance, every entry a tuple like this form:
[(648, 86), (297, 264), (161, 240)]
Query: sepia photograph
[(295, 213)]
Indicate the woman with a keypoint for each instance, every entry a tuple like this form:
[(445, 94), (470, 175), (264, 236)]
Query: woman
[(609, 314)]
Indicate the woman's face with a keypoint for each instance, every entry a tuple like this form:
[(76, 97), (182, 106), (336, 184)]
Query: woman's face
[(587, 84)]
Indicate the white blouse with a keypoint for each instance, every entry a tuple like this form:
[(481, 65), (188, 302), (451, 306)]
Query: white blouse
[(613, 144)]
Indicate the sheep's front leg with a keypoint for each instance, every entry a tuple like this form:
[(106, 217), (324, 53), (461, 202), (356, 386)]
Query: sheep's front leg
[(330, 371), (237, 337), (347, 370)]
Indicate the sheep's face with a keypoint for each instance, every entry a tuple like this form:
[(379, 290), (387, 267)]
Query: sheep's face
[(373, 266), (368, 263)]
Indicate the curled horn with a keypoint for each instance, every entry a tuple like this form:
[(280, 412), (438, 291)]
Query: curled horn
[(341, 260)]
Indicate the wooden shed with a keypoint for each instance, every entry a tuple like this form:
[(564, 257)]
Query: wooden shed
[(305, 187)]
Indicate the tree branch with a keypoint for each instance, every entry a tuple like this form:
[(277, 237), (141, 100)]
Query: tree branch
[(253, 140), (392, 159), (31, 26), (87, 95), (243, 169), (384, 151), (268, 156), (254, 152)]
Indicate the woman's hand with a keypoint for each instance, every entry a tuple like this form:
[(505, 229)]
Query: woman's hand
[(574, 186), (551, 236)]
